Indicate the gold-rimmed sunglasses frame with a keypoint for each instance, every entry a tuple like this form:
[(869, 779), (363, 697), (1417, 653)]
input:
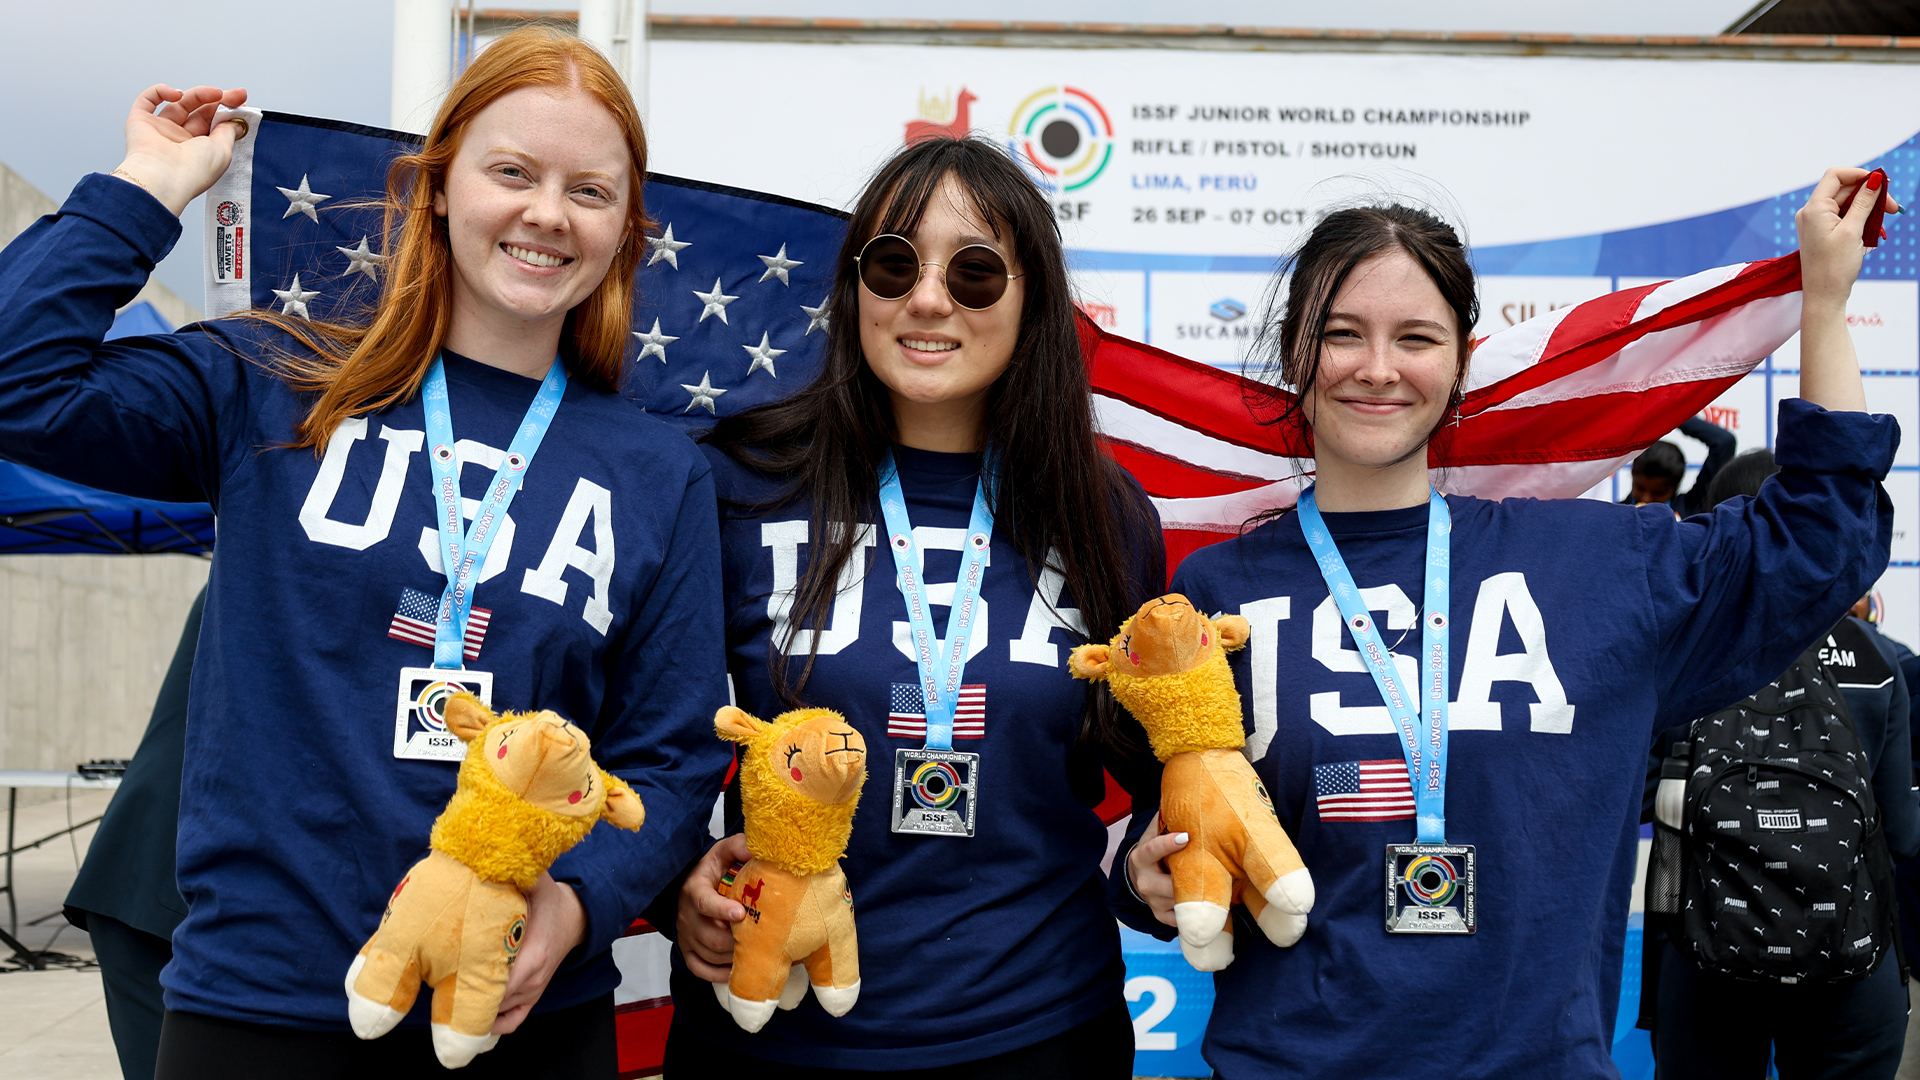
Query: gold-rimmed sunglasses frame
[(922, 270)]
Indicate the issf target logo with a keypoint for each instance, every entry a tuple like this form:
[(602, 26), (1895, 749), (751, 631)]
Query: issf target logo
[(1063, 135)]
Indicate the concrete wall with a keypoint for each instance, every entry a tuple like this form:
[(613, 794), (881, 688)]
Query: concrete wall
[(84, 643), (84, 639), (21, 203)]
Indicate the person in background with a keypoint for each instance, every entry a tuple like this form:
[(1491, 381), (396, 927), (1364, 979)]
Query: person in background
[(1660, 469), (125, 897), (1709, 1025)]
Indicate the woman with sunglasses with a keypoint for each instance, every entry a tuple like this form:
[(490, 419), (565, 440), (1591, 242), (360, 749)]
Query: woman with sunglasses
[(954, 384), (1477, 917), (316, 761)]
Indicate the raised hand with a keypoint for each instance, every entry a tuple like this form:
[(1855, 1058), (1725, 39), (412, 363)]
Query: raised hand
[(1831, 250), (1831, 242), (174, 150)]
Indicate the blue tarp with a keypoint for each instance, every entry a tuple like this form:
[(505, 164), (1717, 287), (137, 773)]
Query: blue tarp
[(40, 515)]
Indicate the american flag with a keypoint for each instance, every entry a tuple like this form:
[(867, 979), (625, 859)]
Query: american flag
[(727, 315), (1554, 405), (907, 712), (729, 305), (418, 615), (1362, 791)]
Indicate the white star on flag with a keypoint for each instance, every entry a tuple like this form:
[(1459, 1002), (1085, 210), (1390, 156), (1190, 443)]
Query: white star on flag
[(294, 299), (302, 200), (778, 265), (818, 315), (716, 302), (763, 356), (362, 260), (654, 343), (703, 394), (666, 247)]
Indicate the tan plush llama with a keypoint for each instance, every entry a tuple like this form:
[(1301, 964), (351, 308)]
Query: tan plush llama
[(1168, 666), (800, 779), (528, 790)]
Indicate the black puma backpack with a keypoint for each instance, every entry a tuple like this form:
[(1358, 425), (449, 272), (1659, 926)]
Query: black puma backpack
[(1786, 877)]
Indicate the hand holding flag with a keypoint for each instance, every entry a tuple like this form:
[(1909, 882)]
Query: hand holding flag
[(175, 149)]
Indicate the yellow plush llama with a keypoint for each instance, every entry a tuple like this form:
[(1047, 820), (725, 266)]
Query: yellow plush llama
[(527, 792), (1168, 666), (800, 779)]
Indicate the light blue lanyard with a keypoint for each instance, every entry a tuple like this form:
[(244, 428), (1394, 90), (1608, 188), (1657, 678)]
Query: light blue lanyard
[(941, 662), (1426, 757), (461, 556)]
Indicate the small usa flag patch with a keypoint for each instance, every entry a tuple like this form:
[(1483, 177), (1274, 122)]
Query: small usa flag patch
[(907, 712), (418, 614), (1363, 791)]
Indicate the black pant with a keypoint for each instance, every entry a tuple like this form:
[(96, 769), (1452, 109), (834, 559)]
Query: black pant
[(565, 1044), (1100, 1049), (1711, 1026), (130, 963)]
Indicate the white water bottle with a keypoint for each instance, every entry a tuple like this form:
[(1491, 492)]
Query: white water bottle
[(1669, 804)]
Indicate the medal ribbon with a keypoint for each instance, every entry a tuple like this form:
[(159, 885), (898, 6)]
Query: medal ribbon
[(1423, 734), (942, 662), (461, 556)]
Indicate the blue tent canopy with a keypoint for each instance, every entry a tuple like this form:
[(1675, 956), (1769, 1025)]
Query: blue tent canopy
[(40, 515)]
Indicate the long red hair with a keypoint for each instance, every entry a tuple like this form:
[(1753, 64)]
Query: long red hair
[(358, 368)]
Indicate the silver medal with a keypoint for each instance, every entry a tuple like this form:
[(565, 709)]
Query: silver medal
[(935, 792), (420, 718), (1431, 889)]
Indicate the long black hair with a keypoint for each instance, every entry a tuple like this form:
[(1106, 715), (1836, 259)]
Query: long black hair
[(1741, 476), (1060, 495), (1286, 352)]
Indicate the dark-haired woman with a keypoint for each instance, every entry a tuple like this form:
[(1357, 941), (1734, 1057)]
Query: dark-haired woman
[(1471, 921), (315, 760), (954, 380)]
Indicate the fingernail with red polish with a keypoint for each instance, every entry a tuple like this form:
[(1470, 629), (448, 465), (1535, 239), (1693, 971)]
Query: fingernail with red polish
[(1875, 179)]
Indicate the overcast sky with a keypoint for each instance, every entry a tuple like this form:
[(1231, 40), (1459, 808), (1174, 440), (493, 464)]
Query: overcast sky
[(71, 69)]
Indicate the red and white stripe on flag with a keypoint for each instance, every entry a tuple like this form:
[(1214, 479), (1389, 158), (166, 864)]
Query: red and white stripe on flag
[(1553, 406)]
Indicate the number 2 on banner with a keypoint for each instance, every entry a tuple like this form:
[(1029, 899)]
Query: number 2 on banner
[(1164, 997)]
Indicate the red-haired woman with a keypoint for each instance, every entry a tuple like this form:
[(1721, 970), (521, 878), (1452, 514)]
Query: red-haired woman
[(308, 791)]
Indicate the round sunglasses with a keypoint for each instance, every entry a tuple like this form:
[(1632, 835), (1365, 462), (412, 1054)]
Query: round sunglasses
[(975, 276)]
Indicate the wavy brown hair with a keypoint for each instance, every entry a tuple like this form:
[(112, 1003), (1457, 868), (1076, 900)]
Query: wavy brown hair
[(1060, 492), (363, 367)]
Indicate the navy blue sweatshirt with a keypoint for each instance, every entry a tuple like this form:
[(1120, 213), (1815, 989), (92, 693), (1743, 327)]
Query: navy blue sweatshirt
[(296, 819), (969, 947), (1580, 627)]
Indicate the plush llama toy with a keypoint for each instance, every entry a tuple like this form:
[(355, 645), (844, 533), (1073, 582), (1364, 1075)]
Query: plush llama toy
[(1168, 666), (800, 780), (527, 792)]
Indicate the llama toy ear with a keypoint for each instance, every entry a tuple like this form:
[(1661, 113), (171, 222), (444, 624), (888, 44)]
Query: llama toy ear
[(734, 725), (1090, 661), (621, 806), (1233, 631), (467, 717)]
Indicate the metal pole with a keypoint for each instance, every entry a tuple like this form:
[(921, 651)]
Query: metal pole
[(638, 58), (13, 910), (422, 55), (618, 28)]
